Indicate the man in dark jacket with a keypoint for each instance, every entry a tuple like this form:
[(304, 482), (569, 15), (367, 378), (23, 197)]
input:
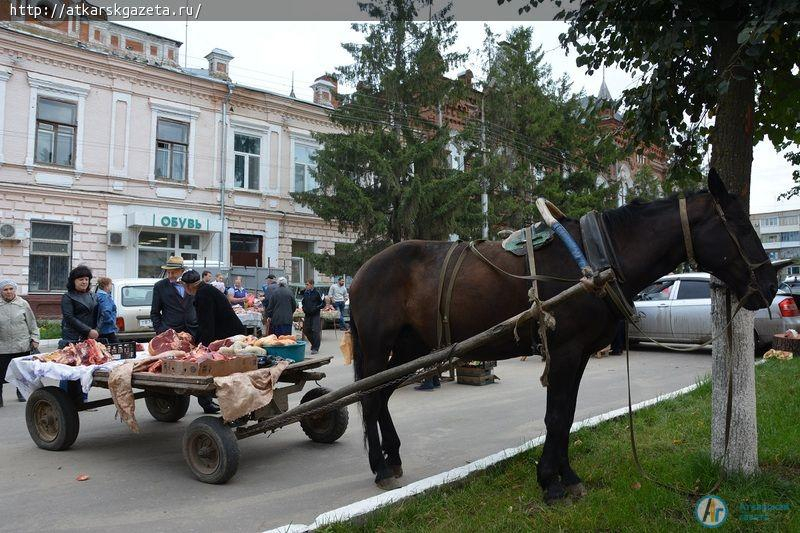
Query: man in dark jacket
[(280, 309), (173, 308), (215, 315), (312, 325)]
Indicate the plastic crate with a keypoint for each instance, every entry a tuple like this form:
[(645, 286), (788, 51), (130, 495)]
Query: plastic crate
[(295, 352), (122, 350)]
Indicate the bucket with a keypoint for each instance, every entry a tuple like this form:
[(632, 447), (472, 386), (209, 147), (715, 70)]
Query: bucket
[(295, 352)]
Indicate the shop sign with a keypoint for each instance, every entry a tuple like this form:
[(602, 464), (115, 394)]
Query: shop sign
[(180, 223)]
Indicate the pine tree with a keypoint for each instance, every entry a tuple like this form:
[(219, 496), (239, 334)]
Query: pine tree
[(386, 175)]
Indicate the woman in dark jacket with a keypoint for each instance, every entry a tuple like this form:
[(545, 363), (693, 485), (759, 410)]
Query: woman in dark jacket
[(78, 308), (215, 317)]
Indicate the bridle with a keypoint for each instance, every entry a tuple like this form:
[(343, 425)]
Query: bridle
[(753, 287)]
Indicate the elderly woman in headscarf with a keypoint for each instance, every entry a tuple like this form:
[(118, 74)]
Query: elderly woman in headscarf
[(19, 333)]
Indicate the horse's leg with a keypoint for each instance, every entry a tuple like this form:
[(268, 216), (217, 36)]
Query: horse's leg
[(569, 478), (564, 366), (390, 441)]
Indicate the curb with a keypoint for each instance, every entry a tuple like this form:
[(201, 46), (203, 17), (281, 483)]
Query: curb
[(373, 503)]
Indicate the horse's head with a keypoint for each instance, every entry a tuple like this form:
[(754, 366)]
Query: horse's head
[(728, 247)]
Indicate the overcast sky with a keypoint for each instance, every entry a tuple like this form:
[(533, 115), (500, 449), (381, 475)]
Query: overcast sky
[(267, 53)]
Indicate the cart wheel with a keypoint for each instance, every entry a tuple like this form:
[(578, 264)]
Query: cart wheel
[(167, 407), (210, 449), (325, 427), (52, 419)]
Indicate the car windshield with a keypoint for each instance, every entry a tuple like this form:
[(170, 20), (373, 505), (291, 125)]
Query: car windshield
[(137, 296), (659, 290)]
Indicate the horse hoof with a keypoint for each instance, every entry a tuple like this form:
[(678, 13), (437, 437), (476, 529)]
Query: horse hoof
[(389, 483), (576, 491), (556, 495), (397, 470)]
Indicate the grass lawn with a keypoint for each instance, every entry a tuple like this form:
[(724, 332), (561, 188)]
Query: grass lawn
[(50, 329), (673, 441)]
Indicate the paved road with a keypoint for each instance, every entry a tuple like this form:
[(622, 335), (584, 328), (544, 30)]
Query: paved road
[(140, 482)]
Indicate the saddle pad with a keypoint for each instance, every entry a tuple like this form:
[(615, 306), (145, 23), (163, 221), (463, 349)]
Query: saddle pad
[(515, 243)]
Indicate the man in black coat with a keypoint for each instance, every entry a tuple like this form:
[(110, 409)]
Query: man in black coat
[(215, 315), (312, 325), (280, 309), (172, 307)]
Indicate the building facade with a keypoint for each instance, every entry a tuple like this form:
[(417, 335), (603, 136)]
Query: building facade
[(779, 232), (113, 156)]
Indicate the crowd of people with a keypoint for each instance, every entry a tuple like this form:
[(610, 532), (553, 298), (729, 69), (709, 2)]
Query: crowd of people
[(185, 301)]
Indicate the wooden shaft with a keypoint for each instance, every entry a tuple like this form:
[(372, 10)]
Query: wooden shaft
[(439, 356)]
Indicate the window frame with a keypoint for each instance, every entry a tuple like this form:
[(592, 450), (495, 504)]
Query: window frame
[(688, 282), (162, 109), (247, 156), (175, 250), (171, 152), (306, 143), (55, 133), (31, 253)]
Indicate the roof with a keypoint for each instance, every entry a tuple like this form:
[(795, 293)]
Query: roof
[(604, 93)]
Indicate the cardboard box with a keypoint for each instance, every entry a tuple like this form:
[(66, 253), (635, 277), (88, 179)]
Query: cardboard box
[(217, 369)]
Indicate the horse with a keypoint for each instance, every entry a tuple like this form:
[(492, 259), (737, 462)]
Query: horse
[(394, 308)]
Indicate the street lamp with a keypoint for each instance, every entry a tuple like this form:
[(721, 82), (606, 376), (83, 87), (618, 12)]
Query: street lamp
[(485, 182)]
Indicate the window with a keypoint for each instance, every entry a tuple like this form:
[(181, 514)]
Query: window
[(304, 168), (56, 124), (137, 296), (771, 221), (156, 247), (789, 220), (172, 149), (657, 291), (790, 236), (247, 151), (693, 289), (298, 271), (246, 250), (50, 257)]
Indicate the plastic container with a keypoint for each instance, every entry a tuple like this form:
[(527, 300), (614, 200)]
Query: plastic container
[(295, 352)]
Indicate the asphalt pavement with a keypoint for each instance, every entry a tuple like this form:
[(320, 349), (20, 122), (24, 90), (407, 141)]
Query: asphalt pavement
[(140, 481)]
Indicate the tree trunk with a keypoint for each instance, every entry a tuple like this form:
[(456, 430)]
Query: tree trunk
[(732, 156)]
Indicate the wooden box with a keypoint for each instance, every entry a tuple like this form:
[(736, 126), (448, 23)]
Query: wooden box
[(217, 369), (476, 375)]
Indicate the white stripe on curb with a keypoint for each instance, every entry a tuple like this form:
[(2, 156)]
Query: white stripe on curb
[(368, 505)]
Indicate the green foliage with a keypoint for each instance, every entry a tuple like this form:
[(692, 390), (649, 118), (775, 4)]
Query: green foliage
[(671, 46), (386, 177), (49, 329), (672, 444), (540, 138)]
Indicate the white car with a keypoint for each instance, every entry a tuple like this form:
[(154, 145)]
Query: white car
[(677, 308), (133, 297)]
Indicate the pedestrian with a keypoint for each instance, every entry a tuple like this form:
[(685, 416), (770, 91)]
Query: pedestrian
[(173, 308), (19, 334), (271, 283), (219, 284), (79, 315), (237, 294), (79, 310), (433, 382), (618, 343), (338, 295), (107, 312), (312, 325), (279, 311), (206, 276), (215, 316)]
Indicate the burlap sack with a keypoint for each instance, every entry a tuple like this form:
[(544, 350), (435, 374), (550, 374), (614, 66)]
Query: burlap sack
[(119, 384), (242, 393), (346, 347)]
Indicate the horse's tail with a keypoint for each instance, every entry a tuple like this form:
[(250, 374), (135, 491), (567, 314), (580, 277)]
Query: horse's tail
[(358, 367)]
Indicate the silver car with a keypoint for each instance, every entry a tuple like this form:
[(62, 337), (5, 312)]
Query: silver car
[(677, 308)]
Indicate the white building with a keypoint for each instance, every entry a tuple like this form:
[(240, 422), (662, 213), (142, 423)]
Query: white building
[(780, 234)]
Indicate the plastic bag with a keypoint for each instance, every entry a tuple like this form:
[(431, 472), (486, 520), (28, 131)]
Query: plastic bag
[(346, 347)]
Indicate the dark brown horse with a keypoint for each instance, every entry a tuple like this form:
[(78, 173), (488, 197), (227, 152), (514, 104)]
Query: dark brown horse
[(394, 308)]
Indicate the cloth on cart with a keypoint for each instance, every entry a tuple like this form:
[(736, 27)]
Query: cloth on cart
[(26, 373), (240, 394)]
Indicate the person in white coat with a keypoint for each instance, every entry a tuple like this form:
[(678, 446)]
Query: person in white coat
[(19, 334)]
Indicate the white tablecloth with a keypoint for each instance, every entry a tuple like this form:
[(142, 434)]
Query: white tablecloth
[(250, 320), (26, 373)]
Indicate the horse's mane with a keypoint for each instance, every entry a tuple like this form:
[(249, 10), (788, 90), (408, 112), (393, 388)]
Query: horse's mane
[(629, 213)]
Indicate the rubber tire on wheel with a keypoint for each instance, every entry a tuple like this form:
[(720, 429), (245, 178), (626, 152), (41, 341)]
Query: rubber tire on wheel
[(326, 427), (62, 419), (218, 442), (167, 407)]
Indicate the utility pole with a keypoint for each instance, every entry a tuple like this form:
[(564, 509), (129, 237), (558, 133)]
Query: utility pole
[(485, 180)]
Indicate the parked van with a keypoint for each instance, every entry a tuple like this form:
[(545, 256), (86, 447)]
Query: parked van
[(133, 297)]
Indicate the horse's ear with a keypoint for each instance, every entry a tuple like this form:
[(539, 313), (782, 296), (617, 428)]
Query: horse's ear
[(715, 185)]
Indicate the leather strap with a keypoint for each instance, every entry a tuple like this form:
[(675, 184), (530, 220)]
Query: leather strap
[(687, 232), (442, 274), (449, 294)]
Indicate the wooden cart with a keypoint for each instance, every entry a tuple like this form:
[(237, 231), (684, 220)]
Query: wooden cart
[(210, 445)]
